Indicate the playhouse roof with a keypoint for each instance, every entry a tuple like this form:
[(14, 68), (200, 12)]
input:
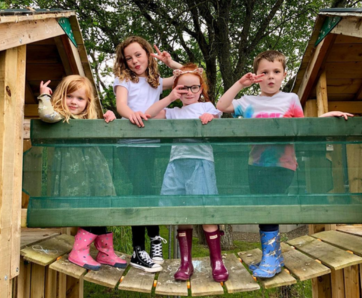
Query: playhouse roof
[(335, 47), (54, 48)]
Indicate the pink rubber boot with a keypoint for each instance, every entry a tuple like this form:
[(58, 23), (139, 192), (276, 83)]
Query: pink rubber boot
[(186, 268), (80, 252), (219, 272), (106, 255)]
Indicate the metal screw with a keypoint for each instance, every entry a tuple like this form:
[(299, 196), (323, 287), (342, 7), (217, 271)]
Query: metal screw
[(6, 277), (20, 40), (17, 269)]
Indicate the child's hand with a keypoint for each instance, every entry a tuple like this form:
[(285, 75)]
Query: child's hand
[(44, 89), (206, 118), (109, 116), (249, 79), (165, 57), (337, 114), (177, 92), (136, 118)]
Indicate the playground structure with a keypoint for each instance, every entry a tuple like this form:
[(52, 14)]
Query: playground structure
[(23, 63)]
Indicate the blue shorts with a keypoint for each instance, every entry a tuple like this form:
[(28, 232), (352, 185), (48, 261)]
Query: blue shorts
[(189, 177)]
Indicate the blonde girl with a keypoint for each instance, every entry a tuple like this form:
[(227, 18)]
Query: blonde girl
[(79, 171)]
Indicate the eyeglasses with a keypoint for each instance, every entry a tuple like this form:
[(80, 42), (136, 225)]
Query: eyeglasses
[(193, 89)]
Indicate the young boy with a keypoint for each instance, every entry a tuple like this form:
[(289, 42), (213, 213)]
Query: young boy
[(271, 167)]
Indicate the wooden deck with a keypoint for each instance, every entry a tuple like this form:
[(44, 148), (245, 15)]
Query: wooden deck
[(306, 257)]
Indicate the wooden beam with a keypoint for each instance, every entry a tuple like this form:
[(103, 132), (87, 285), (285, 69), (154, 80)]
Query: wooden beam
[(349, 27), (322, 96), (35, 17), (12, 88), (346, 106), (17, 34), (31, 111), (315, 63), (310, 108)]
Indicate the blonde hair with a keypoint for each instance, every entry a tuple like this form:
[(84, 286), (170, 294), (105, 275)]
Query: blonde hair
[(70, 84), (121, 69), (270, 56), (202, 77)]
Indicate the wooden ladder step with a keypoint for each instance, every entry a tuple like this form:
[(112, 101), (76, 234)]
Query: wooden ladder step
[(137, 281), (300, 265), (329, 255), (351, 229)]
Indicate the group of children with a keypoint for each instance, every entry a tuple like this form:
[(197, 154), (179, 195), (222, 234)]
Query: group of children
[(138, 87)]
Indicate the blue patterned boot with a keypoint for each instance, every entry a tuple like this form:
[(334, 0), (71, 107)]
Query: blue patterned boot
[(270, 263), (252, 267)]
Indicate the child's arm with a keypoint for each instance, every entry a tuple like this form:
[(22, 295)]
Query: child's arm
[(157, 109), (124, 110), (166, 58), (225, 102), (45, 108), (337, 114)]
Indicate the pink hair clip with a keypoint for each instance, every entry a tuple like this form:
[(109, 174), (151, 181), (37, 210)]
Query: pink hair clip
[(178, 72)]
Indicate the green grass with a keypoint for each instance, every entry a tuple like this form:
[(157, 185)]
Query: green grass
[(122, 241)]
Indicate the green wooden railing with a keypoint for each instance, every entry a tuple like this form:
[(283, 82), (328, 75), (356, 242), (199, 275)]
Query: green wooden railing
[(326, 187)]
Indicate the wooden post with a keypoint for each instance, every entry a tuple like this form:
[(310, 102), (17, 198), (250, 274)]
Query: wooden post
[(310, 108), (321, 286), (12, 90), (322, 97)]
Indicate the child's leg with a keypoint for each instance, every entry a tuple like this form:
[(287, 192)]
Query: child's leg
[(219, 272), (80, 251), (184, 237), (156, 244)]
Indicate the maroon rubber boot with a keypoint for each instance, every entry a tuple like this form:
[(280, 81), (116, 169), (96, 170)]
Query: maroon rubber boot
[(186, 268), (219, 272)]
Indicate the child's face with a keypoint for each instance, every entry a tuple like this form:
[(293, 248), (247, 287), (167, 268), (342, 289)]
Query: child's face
[(136, 58), (274, 75), (190, 82), (77, 101)]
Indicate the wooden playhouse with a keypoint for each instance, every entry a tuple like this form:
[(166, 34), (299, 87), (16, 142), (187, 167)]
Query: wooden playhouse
[(41, 45)]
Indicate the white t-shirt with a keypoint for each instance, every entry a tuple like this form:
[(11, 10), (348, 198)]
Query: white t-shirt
[(140, 95), (192, 111)]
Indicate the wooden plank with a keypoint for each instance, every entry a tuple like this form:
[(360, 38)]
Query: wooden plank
[(262, 130), (349, 70), (347, 39), (300, 265), (166, 284), (23, 289), (342, 240), (329, 255), (63, 53), (321, 287), (346, 106), (17, 88), (351, 281), (31, 110), (282, 279), (137, 281), (44, 72), (107, 276), (349, 27), (315, 64), (346, 52), (34, 17), (351, 229), (72, 287), (63, 265), (202, 283), (337, 283), (354, 162), (12, 72), (29, 236), (43, 54), (22, 33), (310, 108), (26, 129), (37, 281), (51, 283), (322, 96), (235, 213), (240, 279), (56, 247), (62, 289)]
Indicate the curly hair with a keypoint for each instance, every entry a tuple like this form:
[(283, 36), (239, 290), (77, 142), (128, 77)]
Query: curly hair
[(270, 56), (121, 69), (203, 80), (70, 84)]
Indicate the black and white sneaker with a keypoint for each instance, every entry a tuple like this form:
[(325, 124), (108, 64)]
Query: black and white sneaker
[(141, 260), (156, 249)]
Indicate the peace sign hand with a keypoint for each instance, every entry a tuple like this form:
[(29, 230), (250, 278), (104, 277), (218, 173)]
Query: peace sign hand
[(164, 56), (44, 89)]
